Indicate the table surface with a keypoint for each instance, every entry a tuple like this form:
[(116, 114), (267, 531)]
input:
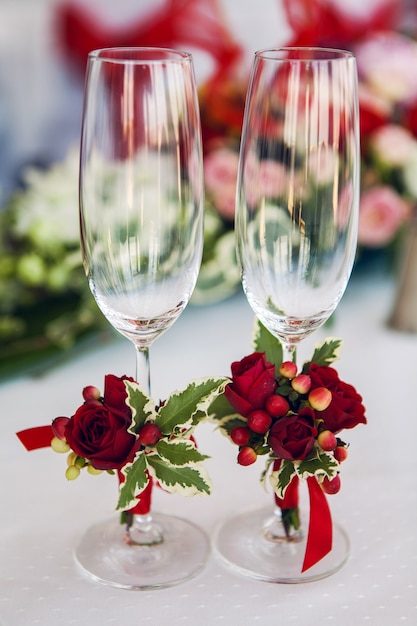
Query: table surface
[(42, 515)]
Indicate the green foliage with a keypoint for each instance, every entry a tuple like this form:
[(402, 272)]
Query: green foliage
[(264, 341), (136, 479), (179, 452), (186, 480), (142, 406), (184, 409), (325, 353), (174, 461)]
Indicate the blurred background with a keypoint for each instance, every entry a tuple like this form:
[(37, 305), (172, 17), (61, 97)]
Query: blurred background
[(45, 305)]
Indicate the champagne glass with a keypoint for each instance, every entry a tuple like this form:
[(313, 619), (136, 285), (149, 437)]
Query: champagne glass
[(141, 224), (296, 227)]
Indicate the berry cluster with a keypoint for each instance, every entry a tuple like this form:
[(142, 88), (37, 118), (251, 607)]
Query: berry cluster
[(293, 398)]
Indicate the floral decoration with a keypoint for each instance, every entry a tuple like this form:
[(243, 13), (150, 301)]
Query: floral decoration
[(123, 432), (291, 417)]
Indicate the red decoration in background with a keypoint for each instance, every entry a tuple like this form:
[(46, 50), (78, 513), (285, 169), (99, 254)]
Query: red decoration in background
[(185, 24), (321, 23)]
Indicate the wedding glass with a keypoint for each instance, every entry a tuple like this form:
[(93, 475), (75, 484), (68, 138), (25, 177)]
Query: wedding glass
[(141, 222), (296, 227)]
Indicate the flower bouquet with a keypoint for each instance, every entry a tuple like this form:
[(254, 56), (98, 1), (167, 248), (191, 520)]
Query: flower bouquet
[(124, 433), (293, 419)]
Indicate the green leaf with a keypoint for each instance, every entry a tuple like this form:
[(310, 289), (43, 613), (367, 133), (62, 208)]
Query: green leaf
[(143, 407), (269, 461), (264, 341), (228, 423), (281, 478), (184, 409), (220, 408), (324, 464), (186, 481), (325, 353), (179, 452), (136, 479)]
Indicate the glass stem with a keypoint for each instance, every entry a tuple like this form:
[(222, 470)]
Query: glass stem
[(141, 530), (143, 376), (289, 350)]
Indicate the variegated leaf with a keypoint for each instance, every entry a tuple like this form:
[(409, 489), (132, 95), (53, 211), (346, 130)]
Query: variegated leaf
[(281, 478), (184, 409), (188, 480), (179, 452), (143, 407), (136, 479)]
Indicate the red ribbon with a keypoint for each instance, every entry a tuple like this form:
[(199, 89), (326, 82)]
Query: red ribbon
[(320, 529), (37, 437)]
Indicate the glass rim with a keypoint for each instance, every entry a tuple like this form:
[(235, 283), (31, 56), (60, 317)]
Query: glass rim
[(138, 55), (306, 53)]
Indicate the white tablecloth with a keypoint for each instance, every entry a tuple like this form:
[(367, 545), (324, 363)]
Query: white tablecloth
[(42, 515)]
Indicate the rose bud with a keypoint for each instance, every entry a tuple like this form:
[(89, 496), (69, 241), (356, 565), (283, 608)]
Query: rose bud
[(340, 453), (59, 425), (58, 445), (301, 383), (320, 398), (327, 440), (93, 471), (288, 369), (259, 421), (246, 456), (149, 434), (91, 394), (331, 486), (72, 472), (240, 435), (277, 406)]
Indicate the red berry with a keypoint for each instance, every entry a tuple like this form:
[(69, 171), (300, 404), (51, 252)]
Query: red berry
[(288, 369), (91, 393), (246, 456), (240, 435), (331, 486), (277, 406), (327, 440), (149, 434), (320, 398), (340, 453), (301, 383), (259, 421)]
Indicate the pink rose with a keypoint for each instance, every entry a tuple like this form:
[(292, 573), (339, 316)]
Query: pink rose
[(220, 175), (393, 144), (387, 61), (382, 212)]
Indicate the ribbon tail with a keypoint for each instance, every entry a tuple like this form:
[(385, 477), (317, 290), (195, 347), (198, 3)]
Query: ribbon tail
[(320, 529), (37, 437)]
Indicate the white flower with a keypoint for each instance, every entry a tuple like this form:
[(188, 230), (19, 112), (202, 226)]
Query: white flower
[(48, 210)]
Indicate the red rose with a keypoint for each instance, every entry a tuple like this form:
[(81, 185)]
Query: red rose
[(292, 437), (253, 381), (98, 430), (346, 409)]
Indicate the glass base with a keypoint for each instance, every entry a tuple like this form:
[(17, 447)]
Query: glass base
[(242, 543), (107, 556)]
